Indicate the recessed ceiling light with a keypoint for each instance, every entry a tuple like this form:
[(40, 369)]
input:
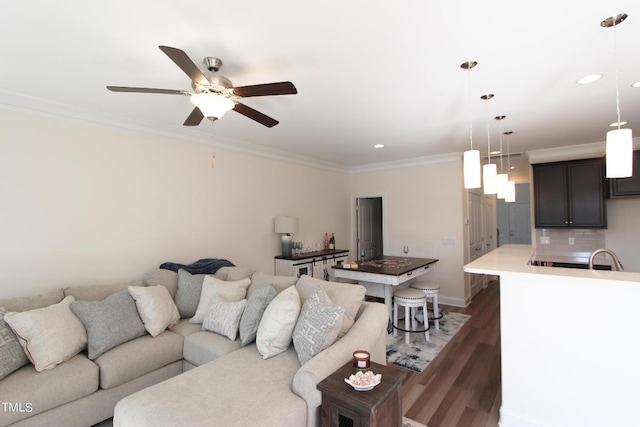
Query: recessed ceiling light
[(615, 124), (589, 79), (378, 146), (636, 84)]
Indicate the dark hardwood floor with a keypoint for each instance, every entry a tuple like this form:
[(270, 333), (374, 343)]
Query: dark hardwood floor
[(461, 386)]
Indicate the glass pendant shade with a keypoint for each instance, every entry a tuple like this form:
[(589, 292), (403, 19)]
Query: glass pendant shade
[(490, 178), (619, 153), (511, 192), (502, 179), (471, 167), (212, 105)]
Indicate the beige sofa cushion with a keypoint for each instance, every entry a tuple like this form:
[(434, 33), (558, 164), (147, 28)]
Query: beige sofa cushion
[(347, 296), (98, 292), (33, 301), (71, 380), (185, 328), (261, 280), (234, 273), (166, 278), (227, 290), (203, 347), (240, 389), (135, 358)]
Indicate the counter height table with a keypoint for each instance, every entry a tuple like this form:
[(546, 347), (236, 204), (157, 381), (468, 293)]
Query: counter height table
[(380, 275)]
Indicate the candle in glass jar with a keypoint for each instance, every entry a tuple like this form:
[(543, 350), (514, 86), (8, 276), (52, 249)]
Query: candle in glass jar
[(361, 359)]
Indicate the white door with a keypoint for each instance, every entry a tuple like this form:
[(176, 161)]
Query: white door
[(475, 238), (365, 239)]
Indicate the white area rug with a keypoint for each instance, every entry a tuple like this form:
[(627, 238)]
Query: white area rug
[(417, 355)]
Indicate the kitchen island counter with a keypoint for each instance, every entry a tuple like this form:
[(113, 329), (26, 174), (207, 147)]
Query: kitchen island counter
[(569, 349)]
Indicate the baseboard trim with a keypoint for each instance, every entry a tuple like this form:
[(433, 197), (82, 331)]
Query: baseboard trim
[(456, 302), (510, 420)]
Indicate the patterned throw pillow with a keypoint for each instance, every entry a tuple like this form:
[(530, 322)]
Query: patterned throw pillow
[(317, 327), (234, 290), (223, 317), (12, 356)]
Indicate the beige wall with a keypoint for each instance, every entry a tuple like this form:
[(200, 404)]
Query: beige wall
[(421, 206), (86, 204)]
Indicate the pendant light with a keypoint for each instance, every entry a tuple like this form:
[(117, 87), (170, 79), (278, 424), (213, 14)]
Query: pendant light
[(510, 197), (471, 157), (489, 171), (619, 145), (502, 178)]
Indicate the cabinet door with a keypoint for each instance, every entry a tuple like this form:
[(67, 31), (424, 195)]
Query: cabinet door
[(627, 187), (550, 192), (586, 194)]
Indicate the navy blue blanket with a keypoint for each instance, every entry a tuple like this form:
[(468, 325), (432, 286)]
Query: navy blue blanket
[(202, 266)]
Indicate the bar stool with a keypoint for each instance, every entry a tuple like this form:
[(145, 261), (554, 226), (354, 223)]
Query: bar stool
[(430, 291), (411, 299)]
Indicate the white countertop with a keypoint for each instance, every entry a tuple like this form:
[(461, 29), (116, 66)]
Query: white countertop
[(515, 259)]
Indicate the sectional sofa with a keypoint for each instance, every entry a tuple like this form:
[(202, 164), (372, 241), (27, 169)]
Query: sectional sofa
[(184, 374)]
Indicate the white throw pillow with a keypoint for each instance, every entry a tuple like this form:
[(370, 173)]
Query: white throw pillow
[(49, 335), (223, 317), (279, 319), (227, 290), (155, 307)]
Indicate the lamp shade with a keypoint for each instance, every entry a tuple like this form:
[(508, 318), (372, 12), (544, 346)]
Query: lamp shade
[(211, 104), (489, 178), (471, 168), (286, 224), (510, 197), (619, 153), (502, 180)]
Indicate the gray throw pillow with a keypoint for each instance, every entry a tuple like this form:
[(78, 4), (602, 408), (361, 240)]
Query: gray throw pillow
[(110, 322), (12, 356), (256, 305), (189, 291), (317, 327), (223, 317)]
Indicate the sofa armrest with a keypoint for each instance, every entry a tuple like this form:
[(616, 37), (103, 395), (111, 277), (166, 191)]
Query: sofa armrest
[(367, 333)]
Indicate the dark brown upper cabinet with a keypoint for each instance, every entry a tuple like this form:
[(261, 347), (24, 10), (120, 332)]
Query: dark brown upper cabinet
[(627, 187), (570, 194)]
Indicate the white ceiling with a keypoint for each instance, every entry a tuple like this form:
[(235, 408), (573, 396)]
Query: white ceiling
[(367, 72)]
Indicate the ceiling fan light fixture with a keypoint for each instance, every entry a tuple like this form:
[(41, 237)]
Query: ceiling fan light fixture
[(212, 105)]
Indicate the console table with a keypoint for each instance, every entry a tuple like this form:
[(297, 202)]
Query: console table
[(344, 406), (315, 264)]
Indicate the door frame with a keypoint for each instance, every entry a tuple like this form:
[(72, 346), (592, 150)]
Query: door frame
[(353, 214)]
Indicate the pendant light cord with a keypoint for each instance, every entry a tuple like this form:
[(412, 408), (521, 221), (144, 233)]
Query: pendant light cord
[(469, 105), (615, 64)]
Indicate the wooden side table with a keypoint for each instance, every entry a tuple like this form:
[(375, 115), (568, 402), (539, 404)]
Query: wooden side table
[(343, 406)]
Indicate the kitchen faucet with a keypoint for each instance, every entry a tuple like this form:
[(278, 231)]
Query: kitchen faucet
[(616, 261)]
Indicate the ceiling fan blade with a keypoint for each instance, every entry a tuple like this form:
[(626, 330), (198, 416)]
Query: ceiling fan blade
[(186, 64), (255, 115), (280, 88), (147, 90), (194, 118)]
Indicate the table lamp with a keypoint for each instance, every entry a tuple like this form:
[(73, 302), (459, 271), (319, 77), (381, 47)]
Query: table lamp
[(286, 225)]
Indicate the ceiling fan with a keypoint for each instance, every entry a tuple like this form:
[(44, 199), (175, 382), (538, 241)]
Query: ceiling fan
[(213, 94)]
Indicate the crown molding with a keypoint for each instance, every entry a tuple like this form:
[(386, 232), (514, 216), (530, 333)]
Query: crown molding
[(32, 105), (401, 164), (571, 152)]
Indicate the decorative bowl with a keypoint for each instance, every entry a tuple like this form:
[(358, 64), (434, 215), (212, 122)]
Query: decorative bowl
[(363, 381)]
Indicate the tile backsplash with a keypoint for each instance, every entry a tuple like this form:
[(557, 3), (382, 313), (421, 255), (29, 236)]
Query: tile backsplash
[(564, 241)]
